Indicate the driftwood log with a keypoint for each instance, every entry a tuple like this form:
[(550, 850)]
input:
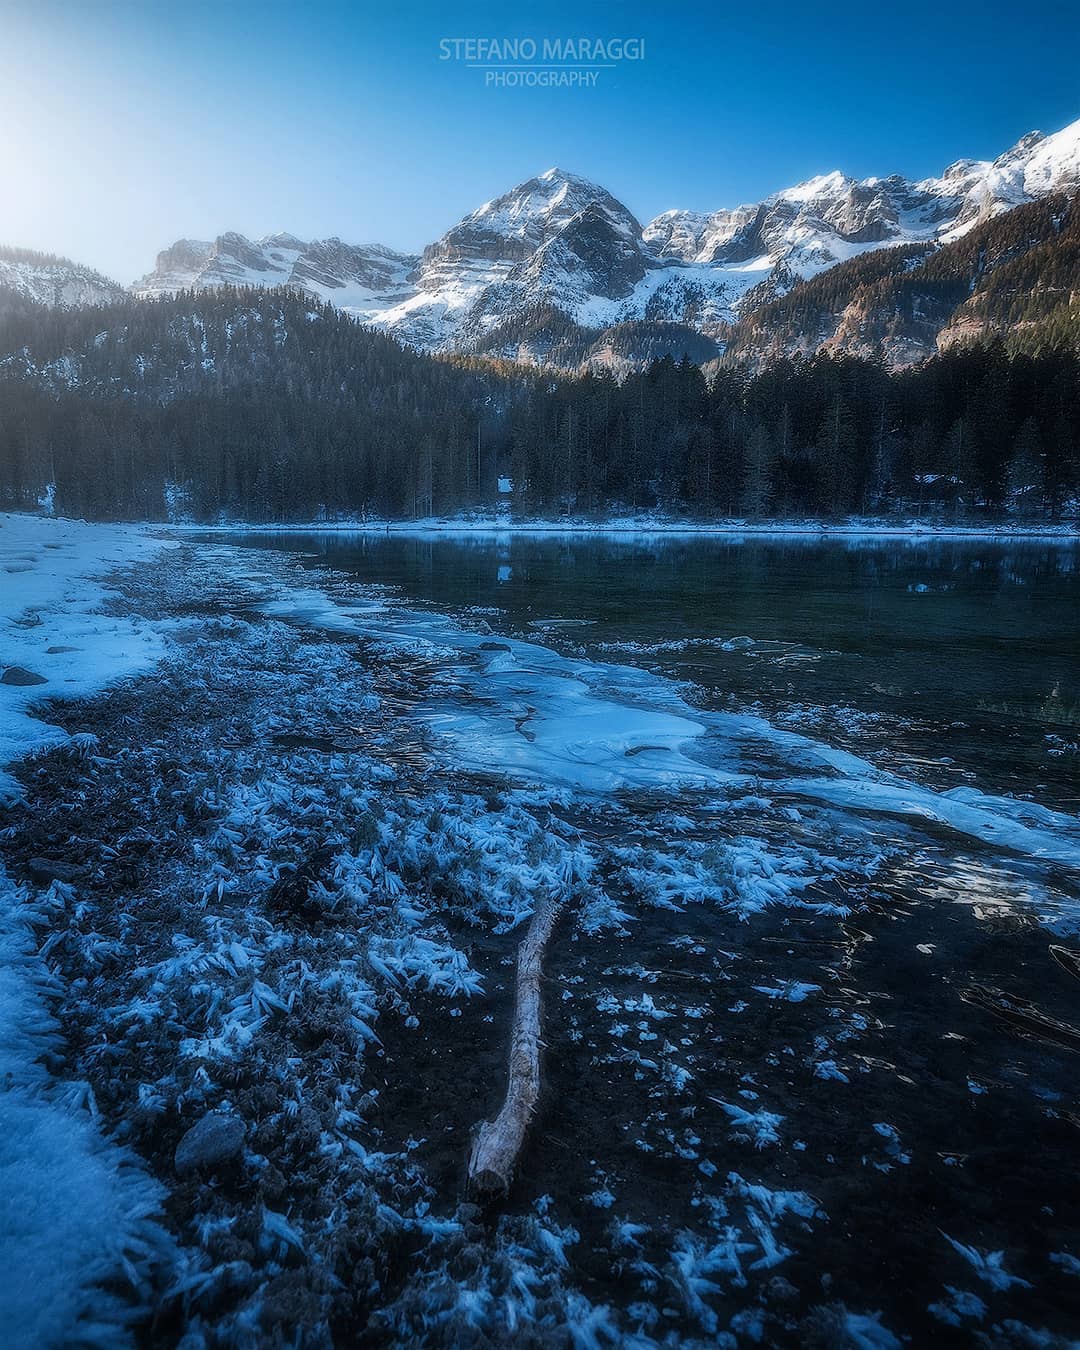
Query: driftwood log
[(499, 1142)]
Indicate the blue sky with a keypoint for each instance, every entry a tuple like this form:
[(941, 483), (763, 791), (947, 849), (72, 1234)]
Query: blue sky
[(128, 125)]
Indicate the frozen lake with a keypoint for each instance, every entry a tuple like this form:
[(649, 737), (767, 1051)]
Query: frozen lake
[(882, 740), (811, 1022), (952, 662)]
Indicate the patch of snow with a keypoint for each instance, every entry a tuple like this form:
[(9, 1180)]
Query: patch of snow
[(53, 624), (75, 1209)]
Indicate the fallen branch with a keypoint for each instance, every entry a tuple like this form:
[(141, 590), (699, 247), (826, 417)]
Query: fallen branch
[(499, 1142)]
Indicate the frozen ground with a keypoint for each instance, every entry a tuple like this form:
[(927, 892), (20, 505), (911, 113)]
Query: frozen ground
[(787, 1102), (57, 642), (74, 1209)]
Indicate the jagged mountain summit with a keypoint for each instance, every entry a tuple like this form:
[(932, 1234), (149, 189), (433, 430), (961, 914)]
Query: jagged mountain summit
[(557, 236), (59, 283), (832, 217), (559, 244), (558, 270)]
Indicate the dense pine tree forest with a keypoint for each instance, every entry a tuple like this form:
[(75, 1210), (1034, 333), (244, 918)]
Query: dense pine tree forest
[(268, 406)]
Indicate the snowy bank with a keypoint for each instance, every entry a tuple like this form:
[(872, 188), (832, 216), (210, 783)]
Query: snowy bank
[(57, 643), (74, 1208), (645, 525)]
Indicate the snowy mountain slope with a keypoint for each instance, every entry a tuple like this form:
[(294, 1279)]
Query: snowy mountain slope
[(559, 242), (1011, 272), (57, 282), (832, 217), (556, 236), (350, 275), (556, 241)]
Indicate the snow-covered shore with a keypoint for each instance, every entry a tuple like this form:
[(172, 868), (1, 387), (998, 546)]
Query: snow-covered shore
[(647, 526), (57, 641), (75, 1208), (304, 848)]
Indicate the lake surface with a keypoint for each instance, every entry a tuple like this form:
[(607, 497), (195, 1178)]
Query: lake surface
[(958, 660), (835, 785)]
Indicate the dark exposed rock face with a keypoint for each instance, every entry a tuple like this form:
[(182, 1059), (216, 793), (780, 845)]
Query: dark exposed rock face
[(331, 264), (184, 255), (597, 251)]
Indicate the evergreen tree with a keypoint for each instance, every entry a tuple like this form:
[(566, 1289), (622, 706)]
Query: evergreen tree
[(1026, 480), (757, 492), (835, 458)]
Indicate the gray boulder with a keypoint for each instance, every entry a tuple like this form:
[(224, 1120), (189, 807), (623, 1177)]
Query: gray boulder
[(213, 1140), (16, 675)]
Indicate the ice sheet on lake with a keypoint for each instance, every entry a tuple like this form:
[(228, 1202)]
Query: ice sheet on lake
[(524, 709), (530, 710)]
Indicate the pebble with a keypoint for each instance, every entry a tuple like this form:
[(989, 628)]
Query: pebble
[(44, 870)]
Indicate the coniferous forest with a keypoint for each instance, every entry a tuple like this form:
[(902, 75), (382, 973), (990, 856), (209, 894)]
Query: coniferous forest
[(269, 406)]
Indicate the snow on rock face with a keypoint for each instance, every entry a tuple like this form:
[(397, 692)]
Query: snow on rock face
[(556, 239), (830, 217), (561, 241), (695, 237), (1051, 163), (56, 282), (351, 275), (513, 226)]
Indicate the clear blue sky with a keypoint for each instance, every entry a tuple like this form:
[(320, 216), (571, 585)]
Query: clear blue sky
[(128, 125)]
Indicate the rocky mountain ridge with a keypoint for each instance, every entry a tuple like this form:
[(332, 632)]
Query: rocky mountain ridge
[(558, 270)]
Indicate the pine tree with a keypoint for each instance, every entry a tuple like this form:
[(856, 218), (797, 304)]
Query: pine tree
[(757, 493), (835, 458), (1026, 480)]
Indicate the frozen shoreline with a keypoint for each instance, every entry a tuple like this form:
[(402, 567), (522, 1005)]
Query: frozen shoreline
[(496, 526), (57, 640), (319, 703), (75, 1208), (648, 527)]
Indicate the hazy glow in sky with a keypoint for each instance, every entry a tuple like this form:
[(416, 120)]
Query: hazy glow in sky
[(131, 123)]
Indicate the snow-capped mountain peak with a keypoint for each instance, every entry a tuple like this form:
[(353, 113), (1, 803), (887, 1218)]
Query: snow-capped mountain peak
[(1052, 163), (515, 224), (559, 241), (823, 186)]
